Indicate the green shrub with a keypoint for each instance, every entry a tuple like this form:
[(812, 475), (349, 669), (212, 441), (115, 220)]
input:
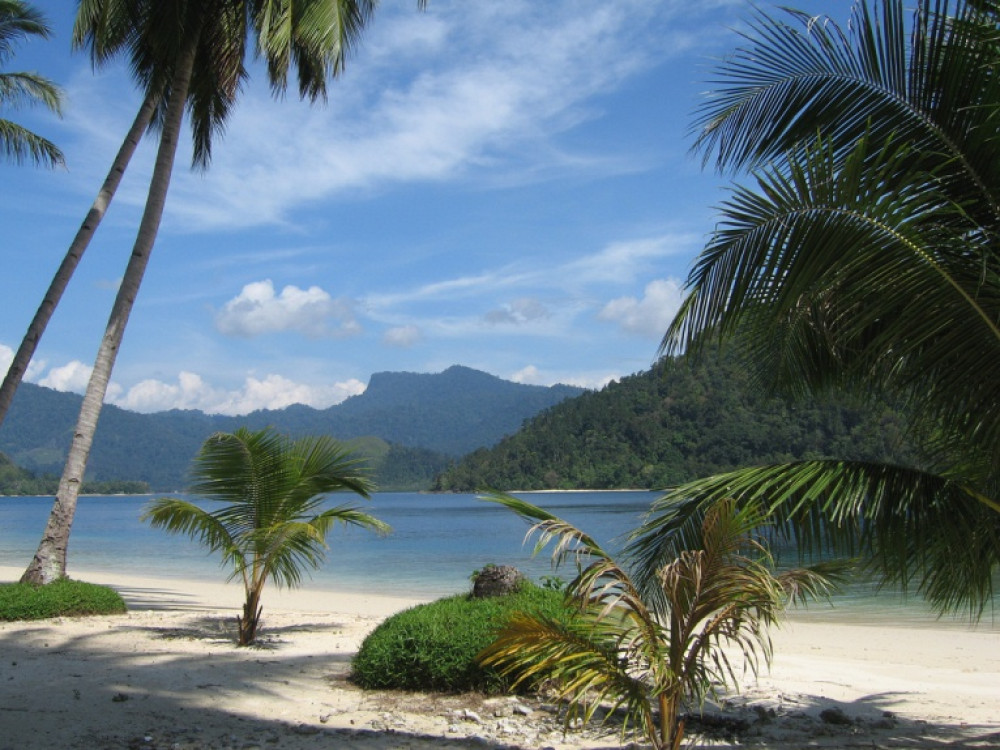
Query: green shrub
[(434, 646), (63, 598)]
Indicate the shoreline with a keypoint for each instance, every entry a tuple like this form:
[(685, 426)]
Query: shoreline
[(168, 675)]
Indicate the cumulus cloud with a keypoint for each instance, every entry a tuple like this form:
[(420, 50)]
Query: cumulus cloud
[(191, 391), (518, 312), (402, 336), (72, 376), (529, 375), (650, 315), (257, 310)]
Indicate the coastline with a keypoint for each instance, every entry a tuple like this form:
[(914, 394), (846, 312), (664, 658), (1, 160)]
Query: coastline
[(167, 675)]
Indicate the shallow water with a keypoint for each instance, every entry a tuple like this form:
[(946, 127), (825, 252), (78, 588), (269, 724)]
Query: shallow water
[(438, 540)]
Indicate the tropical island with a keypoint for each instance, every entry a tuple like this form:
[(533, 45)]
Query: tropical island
[(845, 434)]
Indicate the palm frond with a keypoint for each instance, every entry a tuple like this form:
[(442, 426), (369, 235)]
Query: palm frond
[(183, 517), (569, 539), (581, 657), (922, 83), (921, 530), (18, 144), (809, 316)]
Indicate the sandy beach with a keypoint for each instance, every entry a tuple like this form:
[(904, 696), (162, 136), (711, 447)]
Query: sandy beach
[(167, 675)]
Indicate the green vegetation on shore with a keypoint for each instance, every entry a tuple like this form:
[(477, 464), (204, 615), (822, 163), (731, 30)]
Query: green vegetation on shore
[(680, 420), (62, 598), (434, 646), (17, 481)]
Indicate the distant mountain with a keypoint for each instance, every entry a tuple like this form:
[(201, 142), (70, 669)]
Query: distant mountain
[(676, 422), (421, 422)]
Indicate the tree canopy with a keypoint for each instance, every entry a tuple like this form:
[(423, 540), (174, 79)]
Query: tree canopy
[(865, 257)]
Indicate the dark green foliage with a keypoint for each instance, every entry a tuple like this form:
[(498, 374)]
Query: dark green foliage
[(398, 468), (434, 646), (63, 598), (17, 481), (673, 423)]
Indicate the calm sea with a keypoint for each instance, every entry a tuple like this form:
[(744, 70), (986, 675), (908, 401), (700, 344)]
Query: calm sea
[(436, 544)]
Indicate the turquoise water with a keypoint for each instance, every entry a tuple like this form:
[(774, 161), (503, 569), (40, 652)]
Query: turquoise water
[(437, 542)]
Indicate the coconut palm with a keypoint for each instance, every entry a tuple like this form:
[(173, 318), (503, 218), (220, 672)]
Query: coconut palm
[(188, 55), (26, 350), (864, 257), (19, 21), (272, 523), (649, 650)]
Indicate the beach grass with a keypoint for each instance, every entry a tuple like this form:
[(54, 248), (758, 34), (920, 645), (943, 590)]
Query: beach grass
[(63, 598)]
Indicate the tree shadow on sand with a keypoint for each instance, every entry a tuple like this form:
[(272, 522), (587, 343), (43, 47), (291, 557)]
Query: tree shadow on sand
[(121, 683), (816, 721)]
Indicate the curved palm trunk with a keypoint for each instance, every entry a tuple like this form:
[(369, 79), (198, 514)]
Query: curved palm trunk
[(84, 234), (49, 563)]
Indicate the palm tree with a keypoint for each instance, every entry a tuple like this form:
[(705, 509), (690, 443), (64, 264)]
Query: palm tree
[(192, 53), (26, 350), (18, 21), (648, 650), (865, 257), (272, 523)]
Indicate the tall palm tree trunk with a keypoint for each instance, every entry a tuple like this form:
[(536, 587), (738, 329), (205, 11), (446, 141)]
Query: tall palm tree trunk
[(49, 562), (84, 234)]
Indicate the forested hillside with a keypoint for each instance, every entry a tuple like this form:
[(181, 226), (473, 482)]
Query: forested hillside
[(418, 424), (675, 422), (17, 481)]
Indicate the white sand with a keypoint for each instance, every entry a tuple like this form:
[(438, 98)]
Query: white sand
[(167, 675)]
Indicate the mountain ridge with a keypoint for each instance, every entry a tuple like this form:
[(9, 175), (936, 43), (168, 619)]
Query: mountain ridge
[(443, 414)]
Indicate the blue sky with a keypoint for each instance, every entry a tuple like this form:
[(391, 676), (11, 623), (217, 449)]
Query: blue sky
[(502, 185)]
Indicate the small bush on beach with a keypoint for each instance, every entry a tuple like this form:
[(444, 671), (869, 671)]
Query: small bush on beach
[(62, 598), (434, 646)]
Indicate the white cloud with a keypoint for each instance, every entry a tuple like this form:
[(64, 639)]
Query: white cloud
[(650, 315), (257, 310), (519, 312), (190, 392), (277, 392), (35, 367), (529, 375), (402, 336), (624, 261), (72, 376), (271, 392)]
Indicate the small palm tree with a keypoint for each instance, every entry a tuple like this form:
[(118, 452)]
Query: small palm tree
[(646, 649), (18, 20), (272, 523)]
